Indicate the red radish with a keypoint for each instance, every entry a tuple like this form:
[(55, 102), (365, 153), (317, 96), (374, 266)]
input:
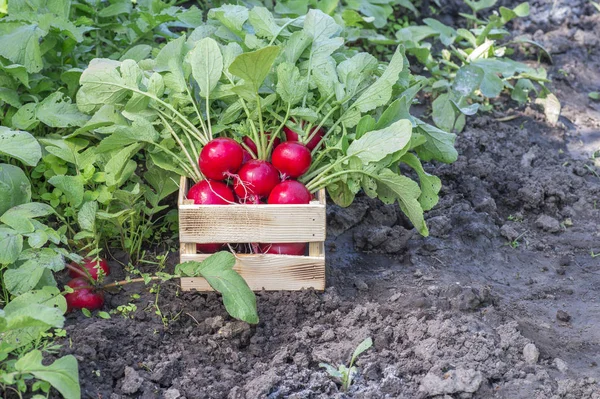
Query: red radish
[(289, 192), (90, 265), (291, 135), (291, 159), (247, 156), (208, 248), (210, 192), (287, 248), (220, 158), (87, 298), (256, 178)]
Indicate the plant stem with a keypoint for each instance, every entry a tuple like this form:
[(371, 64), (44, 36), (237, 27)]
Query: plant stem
[(186, 129), (281, 30), (314, 151), (158, 100), (262, 143), (253, 127), (200, 117), (322, 182), (320, 125), (190, 160), (133, 280), (276, 133), (315, 163), (182, 163), (325, 102), (250, 151), (78, 271), (320, 173), (210, 135)]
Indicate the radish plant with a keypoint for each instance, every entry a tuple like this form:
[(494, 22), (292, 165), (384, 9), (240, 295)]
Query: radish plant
[(254, 78), (30, 251), (345, 374)]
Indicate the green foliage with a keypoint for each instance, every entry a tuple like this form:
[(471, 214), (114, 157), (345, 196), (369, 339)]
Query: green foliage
[(253, 86), (345, 374), (15, 188), (217, 269), (22, 324), (30, 251), (44, 46), (472, 66), (468, 66), (19, 145)]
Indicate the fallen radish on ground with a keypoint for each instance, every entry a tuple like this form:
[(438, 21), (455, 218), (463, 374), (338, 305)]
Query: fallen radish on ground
[(94, 267), (84, 296), (87, 293)]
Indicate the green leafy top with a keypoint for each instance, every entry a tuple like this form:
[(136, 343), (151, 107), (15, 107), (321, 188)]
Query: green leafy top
[(248, 73)]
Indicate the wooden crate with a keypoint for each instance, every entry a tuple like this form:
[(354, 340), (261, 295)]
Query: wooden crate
[(200, 224)]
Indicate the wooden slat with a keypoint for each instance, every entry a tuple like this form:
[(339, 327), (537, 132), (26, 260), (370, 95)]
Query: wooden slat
[(318, 248), (251, 223), (187, 249), (268, 272)]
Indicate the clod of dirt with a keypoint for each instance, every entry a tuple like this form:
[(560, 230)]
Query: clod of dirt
[(561, 365), (341, 219), (547, 223), (233, 329), (454, 381), (561, 315), (382, 238), (172, 394), (132, 381), (531, 354), (360, 284), (509, 232), (565, 260)]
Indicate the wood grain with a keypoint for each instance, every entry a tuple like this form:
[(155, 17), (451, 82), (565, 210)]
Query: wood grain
[(251, 223), (268, 272)]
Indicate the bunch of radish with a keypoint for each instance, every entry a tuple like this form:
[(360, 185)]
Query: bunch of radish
[(234, 175)]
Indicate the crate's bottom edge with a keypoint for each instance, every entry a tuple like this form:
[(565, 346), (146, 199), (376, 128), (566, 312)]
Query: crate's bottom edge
[(268, 272), (201, 285)]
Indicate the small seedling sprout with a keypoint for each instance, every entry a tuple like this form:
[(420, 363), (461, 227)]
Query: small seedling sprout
[(346, 374)]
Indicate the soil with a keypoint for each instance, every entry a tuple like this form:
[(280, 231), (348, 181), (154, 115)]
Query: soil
[(501, 301)]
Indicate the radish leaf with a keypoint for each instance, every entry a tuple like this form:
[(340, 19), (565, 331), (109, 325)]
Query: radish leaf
[(207, 65), (217, 269), (375, 145)]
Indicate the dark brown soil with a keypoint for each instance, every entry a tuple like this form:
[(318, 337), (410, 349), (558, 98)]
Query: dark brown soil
[(460, 314)]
